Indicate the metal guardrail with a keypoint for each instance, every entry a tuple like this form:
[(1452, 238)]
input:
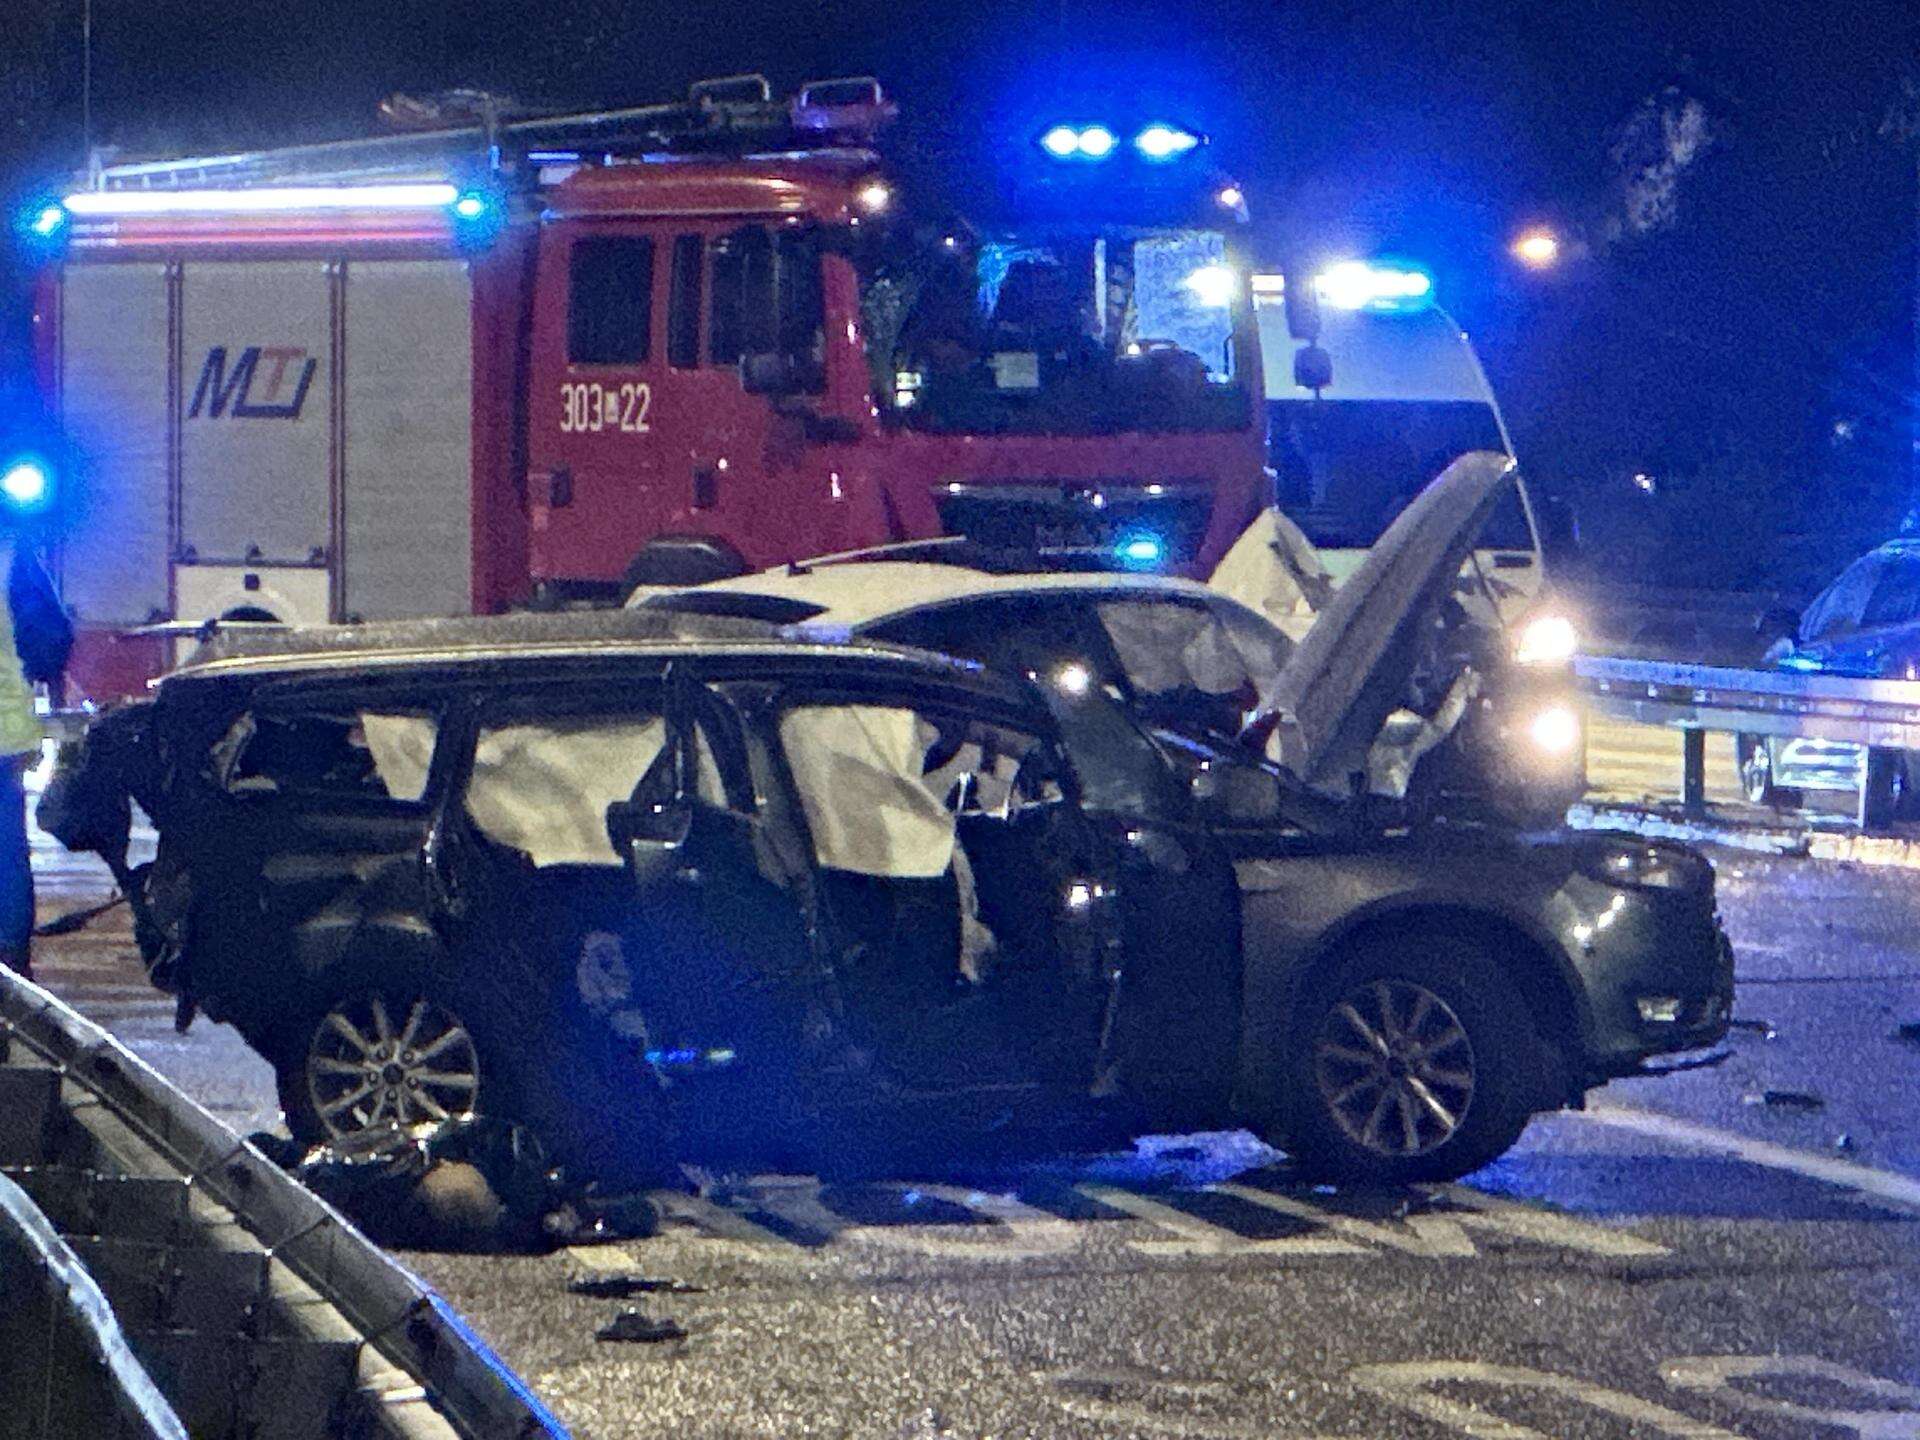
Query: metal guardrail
[(66, 1359), (1883, 714), (403, 1320)]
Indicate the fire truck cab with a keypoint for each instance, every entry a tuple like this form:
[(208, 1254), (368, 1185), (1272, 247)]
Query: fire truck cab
[(552, 357)]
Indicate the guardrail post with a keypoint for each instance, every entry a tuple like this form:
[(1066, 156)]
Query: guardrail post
[(1693, 772)]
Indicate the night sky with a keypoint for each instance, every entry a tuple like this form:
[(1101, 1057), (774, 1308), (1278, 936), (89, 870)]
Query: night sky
[(1737, 326)]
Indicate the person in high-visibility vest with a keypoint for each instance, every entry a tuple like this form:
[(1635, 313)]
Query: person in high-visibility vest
[(35, 640)]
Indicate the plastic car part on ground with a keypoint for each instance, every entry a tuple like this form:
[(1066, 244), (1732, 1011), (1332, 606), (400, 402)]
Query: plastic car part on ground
[(472, 1184)]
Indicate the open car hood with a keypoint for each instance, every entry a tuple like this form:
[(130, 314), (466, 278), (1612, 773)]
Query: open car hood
[(1353, 668)]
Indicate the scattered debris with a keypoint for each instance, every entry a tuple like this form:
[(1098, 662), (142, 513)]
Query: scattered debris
[(1909, 1032), (1844, 1141), (624, 1287), (1763, 1028), (1786, 1100), (638, 1327)]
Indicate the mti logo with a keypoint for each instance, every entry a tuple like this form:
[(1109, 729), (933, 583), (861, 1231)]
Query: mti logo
[(220, 388)]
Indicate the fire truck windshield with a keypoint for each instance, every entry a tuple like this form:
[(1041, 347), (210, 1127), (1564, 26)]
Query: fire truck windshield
[(1054, 332)]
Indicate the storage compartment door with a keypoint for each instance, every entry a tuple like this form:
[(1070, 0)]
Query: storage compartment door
[(407, 495), (256, 430), (114, 367)]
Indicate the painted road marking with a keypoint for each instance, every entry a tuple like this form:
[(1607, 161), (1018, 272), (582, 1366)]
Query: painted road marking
[(1202, 1237), (1412, 1387), (1864, 1179)]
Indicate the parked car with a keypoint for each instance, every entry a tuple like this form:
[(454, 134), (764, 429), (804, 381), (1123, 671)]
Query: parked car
[(1866, 624), (664, 886)]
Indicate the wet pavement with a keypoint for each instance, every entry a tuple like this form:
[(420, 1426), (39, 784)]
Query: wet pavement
[(1727, 1252)]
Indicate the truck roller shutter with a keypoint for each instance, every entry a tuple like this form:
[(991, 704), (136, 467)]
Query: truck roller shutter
[(408, 476), (114, 362)]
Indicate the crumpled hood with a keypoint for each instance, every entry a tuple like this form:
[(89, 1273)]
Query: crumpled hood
[(1353, 668)]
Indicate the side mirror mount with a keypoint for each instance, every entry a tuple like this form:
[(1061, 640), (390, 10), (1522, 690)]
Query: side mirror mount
[(1301, 300), (1312, 368), (650, 838), (768, 372)]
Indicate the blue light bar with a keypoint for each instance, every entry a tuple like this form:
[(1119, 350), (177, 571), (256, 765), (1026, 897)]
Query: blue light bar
[(1356, 285), (1164, 142), (1140, 550)]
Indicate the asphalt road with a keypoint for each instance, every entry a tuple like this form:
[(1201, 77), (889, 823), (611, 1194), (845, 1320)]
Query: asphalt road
[(1692, 1257)]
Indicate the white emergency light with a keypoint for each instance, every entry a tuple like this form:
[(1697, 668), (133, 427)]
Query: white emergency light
[(1213, 286), (284, 199), (1357, 285)]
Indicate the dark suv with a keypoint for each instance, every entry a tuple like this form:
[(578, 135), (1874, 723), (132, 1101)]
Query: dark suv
[(662, 886)]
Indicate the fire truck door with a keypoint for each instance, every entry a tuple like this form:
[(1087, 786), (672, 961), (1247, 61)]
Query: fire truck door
[(597, 483)]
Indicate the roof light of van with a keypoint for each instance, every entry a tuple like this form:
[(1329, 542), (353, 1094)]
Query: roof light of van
[(44, 221), (1355, 285), (1164, 142), (435, 195)]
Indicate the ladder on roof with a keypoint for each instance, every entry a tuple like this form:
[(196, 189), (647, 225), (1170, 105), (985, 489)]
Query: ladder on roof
[(733, 115)]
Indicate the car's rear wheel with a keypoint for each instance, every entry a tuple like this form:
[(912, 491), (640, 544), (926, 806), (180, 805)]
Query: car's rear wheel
[(1410, 1061), (388, 1052), (381, 1057)]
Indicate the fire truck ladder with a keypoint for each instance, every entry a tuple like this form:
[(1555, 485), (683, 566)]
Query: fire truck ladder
[(733, 115)]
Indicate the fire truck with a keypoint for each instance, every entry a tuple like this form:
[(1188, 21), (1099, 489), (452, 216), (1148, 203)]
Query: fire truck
[(543, 358)]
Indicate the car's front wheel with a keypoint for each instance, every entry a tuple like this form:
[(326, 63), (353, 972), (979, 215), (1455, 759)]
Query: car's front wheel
[(1411, 1061)]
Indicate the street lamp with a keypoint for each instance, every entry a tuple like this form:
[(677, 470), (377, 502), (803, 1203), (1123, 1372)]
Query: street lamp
[(1538, 247)]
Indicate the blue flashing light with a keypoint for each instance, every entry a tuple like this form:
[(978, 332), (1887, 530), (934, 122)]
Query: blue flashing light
[(478, 216), (1140, 550), (43, 224), (1061, 142), (26, 483), (1164, 142), (1357, 285), (1097, 142), (1079, 142)]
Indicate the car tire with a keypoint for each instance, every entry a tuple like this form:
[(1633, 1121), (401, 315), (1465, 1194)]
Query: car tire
[(558, 1085), (1753, 757), (1449, 1038)]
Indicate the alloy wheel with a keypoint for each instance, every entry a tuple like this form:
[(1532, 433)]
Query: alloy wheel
[(371, 1064), (1395, 1068)]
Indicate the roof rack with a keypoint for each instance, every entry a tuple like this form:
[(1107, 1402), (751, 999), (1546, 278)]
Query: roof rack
[(729, 115)]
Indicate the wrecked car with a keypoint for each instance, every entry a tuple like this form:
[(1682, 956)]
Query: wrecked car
[(664, 887), (1495, 705)]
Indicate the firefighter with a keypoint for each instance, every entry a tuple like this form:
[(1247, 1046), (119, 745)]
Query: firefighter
[(35, 639)]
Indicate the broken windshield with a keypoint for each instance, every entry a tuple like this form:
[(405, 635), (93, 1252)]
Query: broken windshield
[(1055, 333)]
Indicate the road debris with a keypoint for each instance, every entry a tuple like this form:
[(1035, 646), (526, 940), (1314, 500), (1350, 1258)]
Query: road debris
[(623, 1287), (1786, 1099), (638, 1327), (1763, 1028), (1908, 1033)]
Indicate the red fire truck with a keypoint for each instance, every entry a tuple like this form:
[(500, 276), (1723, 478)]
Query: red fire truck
[(473, 367)]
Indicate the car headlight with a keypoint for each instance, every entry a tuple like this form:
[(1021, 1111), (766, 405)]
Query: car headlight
[(1649, 867), (1555, 730), (1546, 640)]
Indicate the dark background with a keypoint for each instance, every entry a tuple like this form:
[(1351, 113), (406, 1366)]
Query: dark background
[(1733, 319)]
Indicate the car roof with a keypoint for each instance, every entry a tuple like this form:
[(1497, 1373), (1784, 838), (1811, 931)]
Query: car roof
[(493, 639), (859, 593)]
